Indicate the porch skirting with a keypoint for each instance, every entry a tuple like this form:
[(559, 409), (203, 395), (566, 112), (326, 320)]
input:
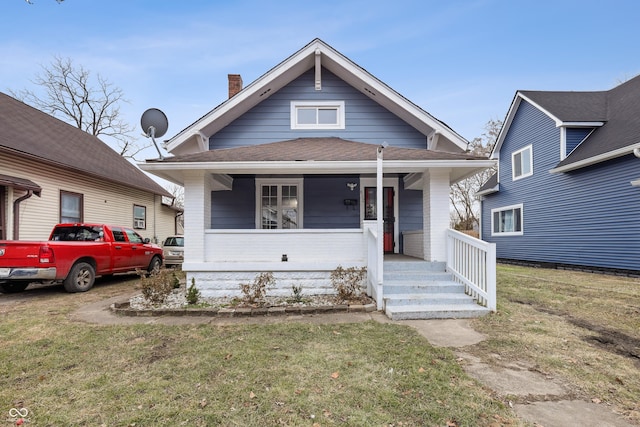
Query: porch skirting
[(216, 280)]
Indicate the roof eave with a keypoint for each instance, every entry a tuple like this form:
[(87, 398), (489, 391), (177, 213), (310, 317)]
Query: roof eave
[(596, 159), (172, 171), (488, 191)]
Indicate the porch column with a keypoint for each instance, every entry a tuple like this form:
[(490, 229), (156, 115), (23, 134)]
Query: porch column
[(435, 213), (197, 215)]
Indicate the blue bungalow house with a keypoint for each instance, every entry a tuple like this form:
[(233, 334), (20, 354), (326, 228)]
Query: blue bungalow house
[(567, 190), (318, 164)]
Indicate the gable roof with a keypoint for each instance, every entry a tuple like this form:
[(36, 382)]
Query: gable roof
[(195, 137), (614, 114), (29, 132)]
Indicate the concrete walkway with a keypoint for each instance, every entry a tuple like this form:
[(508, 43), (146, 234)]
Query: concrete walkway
[(549, 403)]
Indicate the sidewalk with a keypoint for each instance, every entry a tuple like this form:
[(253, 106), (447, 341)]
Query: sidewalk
[(549, 403)]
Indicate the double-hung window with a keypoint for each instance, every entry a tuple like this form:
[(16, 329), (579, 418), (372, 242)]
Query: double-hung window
[(71, 206), (279, 203), (507, 221), (522, 163), (317, 114)]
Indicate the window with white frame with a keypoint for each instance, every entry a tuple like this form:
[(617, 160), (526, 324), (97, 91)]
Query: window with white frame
[(71, 206), (139, 217), (279, 204), (522, 162), (507, 221), (317, 114)]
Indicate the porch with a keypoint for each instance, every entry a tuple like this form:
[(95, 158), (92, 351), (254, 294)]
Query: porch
[(403, 285), (301, 208)]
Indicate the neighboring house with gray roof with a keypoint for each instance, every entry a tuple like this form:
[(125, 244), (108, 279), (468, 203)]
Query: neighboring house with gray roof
[(567, 190), (289, 173), (52, 172)]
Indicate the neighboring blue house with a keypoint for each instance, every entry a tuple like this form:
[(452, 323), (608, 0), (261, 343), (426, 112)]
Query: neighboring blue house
[(288, 175), (567, 191)]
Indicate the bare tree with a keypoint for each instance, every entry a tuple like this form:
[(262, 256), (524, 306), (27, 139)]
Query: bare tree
[(91, 104), (31, 2), (178, 195), (466, 209)]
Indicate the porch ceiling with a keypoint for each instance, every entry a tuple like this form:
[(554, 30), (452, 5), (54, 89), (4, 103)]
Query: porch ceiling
[(315, 156)]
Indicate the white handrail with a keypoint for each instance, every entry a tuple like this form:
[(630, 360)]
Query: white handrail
[(374, 267), (473, 263)]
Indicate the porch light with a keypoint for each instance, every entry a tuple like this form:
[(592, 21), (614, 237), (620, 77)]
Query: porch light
[(352, 185)]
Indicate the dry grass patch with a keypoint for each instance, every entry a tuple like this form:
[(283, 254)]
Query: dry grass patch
[(290, 374), (581, 328)]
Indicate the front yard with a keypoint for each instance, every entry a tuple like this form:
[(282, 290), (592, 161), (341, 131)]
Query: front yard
[(581, 328), (578, 327)]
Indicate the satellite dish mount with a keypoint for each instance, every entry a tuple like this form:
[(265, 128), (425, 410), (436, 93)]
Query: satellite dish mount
[(154, 124)]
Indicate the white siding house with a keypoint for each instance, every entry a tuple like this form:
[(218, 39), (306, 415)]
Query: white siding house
[(51, 171)]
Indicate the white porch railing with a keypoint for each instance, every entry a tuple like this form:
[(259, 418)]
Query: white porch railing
[(473, 263), (374, 264)]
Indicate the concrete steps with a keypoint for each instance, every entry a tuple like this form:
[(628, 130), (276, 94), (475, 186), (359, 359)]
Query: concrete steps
[(416, 289)]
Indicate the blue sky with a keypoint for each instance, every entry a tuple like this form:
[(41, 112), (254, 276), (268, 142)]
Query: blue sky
[(461, 61)]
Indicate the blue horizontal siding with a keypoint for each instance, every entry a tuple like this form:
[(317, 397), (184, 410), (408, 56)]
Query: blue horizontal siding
[(574, 137), (365, 120), (324, 202), (235, 209), (410, 211), (585, 217)]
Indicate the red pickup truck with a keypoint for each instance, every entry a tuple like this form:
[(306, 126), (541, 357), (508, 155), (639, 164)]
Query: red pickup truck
[(75, 254)]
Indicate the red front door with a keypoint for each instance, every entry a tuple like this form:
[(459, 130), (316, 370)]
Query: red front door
[(387, 208)]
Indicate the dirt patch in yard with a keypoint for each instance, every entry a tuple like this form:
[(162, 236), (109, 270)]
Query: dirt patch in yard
[(608, 339)]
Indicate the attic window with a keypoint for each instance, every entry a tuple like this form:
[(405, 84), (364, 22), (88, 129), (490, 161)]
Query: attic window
[(317, 114)]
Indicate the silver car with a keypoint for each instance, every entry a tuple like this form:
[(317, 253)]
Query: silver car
[(173, 251)]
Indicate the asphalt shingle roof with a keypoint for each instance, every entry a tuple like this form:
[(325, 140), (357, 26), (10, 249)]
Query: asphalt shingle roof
[(29, 132), (318, 149), (619, 108)]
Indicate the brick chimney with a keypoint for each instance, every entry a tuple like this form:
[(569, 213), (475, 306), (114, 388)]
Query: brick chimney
[(235, 84)]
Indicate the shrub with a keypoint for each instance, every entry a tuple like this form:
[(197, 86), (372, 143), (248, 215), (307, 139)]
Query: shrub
[(156, 287), (193, 294), (256, 291), (297, 293), (348, 283), (175, 280)]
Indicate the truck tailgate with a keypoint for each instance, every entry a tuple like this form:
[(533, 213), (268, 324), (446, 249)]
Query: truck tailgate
[(19, 253)]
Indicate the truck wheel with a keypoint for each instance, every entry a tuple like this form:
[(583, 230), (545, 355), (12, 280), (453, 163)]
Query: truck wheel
[(12, 288), (154, 265), (80, 278)]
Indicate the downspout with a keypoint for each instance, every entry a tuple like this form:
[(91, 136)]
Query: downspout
[(636, 152), (16, 214)]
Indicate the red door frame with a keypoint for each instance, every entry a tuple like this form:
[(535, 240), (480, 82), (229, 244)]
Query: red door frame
[(388, 209)]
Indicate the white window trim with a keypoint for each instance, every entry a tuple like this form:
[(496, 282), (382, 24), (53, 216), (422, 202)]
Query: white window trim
[(279, 181), (509, 208), (139, 223), (339, 105), (513, 169)]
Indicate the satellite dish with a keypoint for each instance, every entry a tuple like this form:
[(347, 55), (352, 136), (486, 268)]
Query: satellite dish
[(154, 123)]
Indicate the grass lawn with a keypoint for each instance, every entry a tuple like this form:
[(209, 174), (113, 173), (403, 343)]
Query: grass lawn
[(580, 328), (292, 374)]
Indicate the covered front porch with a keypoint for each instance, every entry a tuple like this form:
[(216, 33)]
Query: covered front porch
[(307, 257), (233, 231)]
